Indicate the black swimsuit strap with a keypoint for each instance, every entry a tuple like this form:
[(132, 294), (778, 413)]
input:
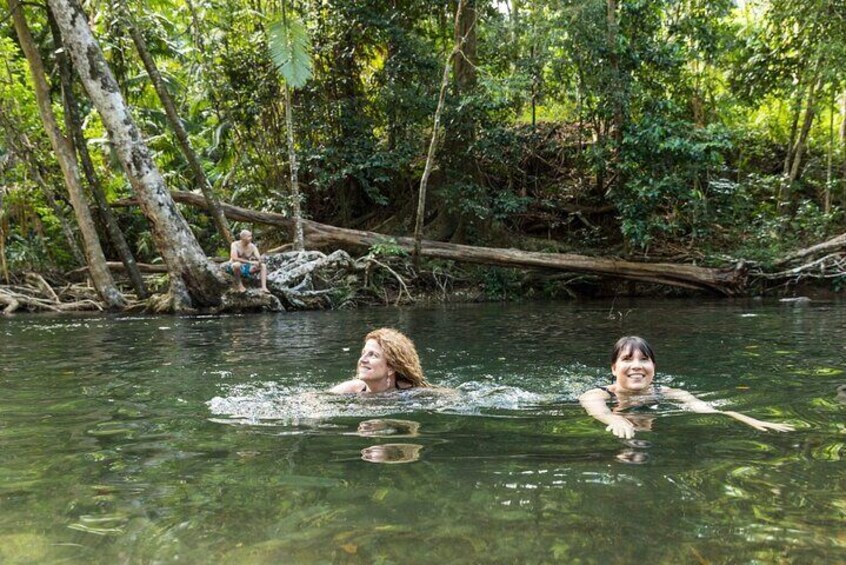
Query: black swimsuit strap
[(658, 391), (605, 389), (396, 386)]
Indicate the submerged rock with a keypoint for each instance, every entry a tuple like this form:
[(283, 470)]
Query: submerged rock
[(251, 300)]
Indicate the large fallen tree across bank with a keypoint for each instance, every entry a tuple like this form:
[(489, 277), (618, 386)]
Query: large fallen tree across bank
[(317, 235)]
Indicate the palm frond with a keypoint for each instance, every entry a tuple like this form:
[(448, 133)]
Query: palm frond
[(290, 50)]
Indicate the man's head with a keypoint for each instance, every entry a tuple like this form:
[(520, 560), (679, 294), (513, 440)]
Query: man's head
[(246, 235)]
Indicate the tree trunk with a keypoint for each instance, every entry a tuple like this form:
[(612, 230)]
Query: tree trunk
[(829, 169), (200, 178), (464, 34), (843, 143), (723, 281), (794, 127), (783, 196), (73, 123), (21, 147), (617, 86), (460, 134), (802, 140), (100, 275), (299, 244), (3, 225), (195, 281), (50, 196), (430, 156)]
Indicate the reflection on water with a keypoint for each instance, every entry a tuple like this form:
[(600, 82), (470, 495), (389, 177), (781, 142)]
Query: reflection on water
[(160, 439), (392, 453), (635, 452), (387, 427)]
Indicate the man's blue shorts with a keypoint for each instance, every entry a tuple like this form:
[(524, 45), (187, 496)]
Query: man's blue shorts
[(245, 269)]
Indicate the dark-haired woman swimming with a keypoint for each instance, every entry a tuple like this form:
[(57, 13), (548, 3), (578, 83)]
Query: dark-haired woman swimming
[(633, 366)]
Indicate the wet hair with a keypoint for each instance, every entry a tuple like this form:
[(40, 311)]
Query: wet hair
[(400, 355), (634, 343), (243, 233)]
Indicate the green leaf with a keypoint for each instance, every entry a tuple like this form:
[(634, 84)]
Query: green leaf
[(820, 372), (290, 50), (827, 371)]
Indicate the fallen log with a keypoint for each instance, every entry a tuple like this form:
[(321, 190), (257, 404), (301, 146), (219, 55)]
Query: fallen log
[(722, 281), (834, 244)]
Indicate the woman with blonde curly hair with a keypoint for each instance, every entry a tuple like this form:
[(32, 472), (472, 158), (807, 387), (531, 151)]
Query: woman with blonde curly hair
[(388, 362)]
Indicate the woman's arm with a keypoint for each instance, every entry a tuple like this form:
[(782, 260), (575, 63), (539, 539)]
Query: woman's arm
[(689, 402), (594, 402)]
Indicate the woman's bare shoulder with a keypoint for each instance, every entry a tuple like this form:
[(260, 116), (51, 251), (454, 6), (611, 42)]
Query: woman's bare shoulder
[(595, 394), (346, 387)]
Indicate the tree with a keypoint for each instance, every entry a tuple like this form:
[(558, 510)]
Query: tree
[(73, 123), (433, 143), (195, 281), (175, 123), (843, 142), (290, 50), (20, 146), (100, 275)]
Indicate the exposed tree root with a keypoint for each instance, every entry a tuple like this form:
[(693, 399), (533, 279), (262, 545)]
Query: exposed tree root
[(831, 266), (836, 244), (369, 260), (117, 266), (309, 279), (305, 280), (821, 262), (39, 296)]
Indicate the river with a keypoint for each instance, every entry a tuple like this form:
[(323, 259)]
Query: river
[(211, 439)]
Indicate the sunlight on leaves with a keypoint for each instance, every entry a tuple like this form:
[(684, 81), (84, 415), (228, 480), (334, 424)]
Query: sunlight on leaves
[(290, 50)]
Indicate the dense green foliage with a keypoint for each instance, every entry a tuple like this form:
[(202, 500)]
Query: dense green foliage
[(642, 126)]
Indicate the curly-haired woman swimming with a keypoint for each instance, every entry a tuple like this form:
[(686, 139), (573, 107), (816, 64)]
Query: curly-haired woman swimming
[(388, 362)]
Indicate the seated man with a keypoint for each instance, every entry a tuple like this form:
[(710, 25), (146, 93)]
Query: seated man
[(245, 261)]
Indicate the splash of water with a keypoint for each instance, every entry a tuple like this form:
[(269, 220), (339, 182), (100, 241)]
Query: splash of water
[(271, 403)]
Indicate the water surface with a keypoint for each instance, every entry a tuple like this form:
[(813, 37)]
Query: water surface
[(206, 439)]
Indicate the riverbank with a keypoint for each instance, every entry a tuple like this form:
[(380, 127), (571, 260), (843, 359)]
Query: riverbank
[(317, 281)]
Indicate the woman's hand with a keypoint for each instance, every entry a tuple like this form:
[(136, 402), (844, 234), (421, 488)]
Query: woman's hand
[(760, 425), (621, 427), (594, 403), (775, 427)]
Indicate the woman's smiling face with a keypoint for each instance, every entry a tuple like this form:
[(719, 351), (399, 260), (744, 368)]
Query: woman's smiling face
[(634, 370), (372, 365)]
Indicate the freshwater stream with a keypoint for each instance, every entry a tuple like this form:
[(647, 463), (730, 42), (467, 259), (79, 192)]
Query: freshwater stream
[(212, 439)]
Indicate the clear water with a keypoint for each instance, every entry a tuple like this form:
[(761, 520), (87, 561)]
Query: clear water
[(160, 439)]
